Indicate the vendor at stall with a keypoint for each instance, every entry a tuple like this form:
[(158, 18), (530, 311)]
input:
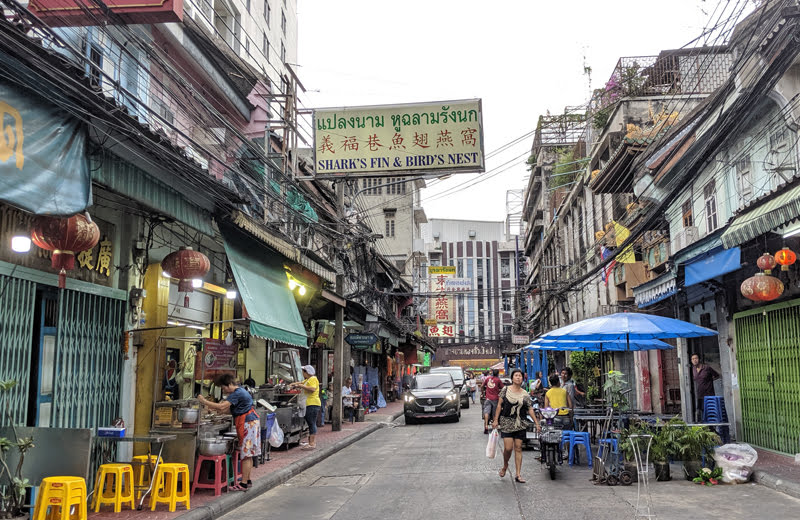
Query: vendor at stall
[(239, 404), (310, 387)]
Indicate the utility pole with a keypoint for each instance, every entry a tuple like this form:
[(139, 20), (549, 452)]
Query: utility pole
[(338, 347)]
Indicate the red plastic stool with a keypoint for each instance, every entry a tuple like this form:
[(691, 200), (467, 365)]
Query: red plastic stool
[(216, 464)]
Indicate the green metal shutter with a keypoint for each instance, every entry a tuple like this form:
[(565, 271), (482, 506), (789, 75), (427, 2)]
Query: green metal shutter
[(88, 360), (768, 358), (17, 306)]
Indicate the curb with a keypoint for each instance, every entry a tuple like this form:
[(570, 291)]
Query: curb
[(771, 481), (230, 501)]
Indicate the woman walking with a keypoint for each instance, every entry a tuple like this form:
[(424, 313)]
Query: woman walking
[(512, 418), (310, 386)]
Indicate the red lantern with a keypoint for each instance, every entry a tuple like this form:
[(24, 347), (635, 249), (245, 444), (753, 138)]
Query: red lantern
[(766, 263), (762, 288), (785, 257), (186, 265), (64, 236)]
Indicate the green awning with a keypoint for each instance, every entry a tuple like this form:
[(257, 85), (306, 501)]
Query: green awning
[(772, 214), (262, 283)]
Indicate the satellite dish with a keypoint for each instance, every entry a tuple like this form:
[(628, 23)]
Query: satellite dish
[(229, 338)]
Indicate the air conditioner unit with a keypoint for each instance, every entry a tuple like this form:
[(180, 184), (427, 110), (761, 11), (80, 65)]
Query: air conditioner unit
[(472, 233)]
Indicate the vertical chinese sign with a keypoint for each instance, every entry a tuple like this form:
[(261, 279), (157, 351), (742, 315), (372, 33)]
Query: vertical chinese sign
[(387, 139), (441, 306)]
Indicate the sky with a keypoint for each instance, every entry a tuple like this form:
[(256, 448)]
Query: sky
[(521, 57)]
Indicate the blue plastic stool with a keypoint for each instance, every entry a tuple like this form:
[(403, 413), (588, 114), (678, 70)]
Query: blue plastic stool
[(602, 443), (579, 438), (714, 410), (566, 437)]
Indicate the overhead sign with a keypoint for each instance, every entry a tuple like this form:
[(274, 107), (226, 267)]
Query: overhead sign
[(458, 284), (442, 269), (216, 358), (442, 330), (71, 13), (366, 339), (431, 322), (441, 307), (387, 139), (520, 339)]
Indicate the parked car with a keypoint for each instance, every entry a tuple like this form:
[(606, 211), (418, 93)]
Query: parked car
[(459, 378), (431, 395)]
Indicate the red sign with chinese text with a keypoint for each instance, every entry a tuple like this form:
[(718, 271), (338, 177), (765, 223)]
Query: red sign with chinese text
[(77, 13)]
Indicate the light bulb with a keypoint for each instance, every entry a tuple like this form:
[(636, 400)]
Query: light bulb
[(21, 243), (302, 290), (166, 274), (197, 283), (292, 284), (231, 294)]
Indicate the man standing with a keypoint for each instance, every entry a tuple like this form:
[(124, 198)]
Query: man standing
[(493, 385), (704, 377), (567, 383)]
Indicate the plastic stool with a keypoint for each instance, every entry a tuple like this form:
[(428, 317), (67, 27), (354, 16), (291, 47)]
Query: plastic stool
[(566, 437), (142, 471), (234, 467), (59, 494), (602, 443), (116, 492), (216, 464), (166, 489), (579, 438), (714, 409)]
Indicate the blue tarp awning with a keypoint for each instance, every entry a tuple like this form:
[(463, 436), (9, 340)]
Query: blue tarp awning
[(712, 264)]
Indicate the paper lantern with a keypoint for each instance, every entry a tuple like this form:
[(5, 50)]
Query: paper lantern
[(65, 237), (186, 265), (785, 257), (766, 263), (762, 288)]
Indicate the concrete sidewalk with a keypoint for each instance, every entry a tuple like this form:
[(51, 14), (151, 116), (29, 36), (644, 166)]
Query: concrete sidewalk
[(777, 471), (283, 465)]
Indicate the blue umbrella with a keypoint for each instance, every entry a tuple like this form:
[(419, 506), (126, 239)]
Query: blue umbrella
[(598, 345), (627, 326)]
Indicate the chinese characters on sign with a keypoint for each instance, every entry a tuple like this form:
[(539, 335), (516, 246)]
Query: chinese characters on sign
[(390, 138), (441, 307), (86, 259)]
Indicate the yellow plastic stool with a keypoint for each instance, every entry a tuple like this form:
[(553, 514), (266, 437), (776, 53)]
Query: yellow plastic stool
[(59, 495), (166, 486), (113, 485), (142, 472)]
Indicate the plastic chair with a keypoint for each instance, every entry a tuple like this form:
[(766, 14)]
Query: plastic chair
[(566, 437), (167, 489), (113, 485), (714, 410), (580, 438), (59, 495), (216, 477), (143, 471)]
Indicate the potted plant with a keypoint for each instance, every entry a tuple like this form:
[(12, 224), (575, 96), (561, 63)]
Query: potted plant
[(693, 441), (665, 446), (13, 487), (636, 427)]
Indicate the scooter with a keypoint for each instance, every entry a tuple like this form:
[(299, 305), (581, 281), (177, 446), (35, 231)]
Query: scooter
[(531, 434), (550, 440)]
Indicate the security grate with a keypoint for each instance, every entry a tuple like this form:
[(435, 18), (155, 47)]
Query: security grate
[(17, 305)]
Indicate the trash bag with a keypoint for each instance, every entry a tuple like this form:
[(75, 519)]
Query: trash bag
[(736, 461), (276, 436), (381, 401), (491, 445)]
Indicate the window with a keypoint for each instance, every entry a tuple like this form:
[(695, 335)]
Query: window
[(247, 5), (710, 196), (397, 189), (744, 179), (95, 65), (372, 186), (389, 228), (686, 209), (460, 268), (267, 12), (283, 22), (506, 302), (283, 53), (265, 47), (247, 46), (505, 267)]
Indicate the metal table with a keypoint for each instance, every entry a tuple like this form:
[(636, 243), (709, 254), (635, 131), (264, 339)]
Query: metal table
[(151, 440)]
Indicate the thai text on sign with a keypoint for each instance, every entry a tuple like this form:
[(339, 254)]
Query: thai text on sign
[(390, 138)]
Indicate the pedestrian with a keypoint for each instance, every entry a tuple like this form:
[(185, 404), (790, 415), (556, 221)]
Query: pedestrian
[(558, 398), (347, 399), (512, 418), (473, 387), (704, 377), (310, 387), (492, 386), (239, 403), (537, 385), (567, 383)]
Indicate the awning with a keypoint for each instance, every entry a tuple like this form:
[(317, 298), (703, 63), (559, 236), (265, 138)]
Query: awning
[(261, 280), (655, 290), (772, 214), (712, 264)]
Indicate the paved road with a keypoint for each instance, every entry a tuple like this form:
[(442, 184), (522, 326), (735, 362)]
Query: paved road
[(439, 471)]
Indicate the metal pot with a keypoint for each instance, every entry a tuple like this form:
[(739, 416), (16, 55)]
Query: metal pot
[(213, 446), (188, 415)]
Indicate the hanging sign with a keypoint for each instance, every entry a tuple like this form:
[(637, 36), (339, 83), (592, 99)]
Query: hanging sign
[(216, 358), (520, 339), (441, 307), (361, 339)]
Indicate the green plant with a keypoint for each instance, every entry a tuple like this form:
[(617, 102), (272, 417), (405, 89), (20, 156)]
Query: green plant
[(564, 170), (665, 443), (708, 477), (13, 486), (614, 389), (626, 443), (694, 440), (600, 118)]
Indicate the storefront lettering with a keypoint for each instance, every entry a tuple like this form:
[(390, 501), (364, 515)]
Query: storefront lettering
[(105, 254)]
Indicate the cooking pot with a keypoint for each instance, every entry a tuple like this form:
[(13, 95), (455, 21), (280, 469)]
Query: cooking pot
[(188, 415), (214, 446)]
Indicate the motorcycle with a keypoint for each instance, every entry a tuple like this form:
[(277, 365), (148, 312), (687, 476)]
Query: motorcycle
[(531, 434), (550, 440)]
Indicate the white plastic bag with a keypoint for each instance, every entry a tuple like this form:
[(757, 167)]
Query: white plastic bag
[(276, 436), (736, 461), (491, 446)]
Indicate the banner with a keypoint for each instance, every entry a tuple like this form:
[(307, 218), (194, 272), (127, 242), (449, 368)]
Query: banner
[(392, 139), (626, 256), (43, 164), (441, 307), (216, 358)]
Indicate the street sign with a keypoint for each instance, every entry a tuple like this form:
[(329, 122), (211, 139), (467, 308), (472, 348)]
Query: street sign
[(431, 322), (520, 340), (361, 340)]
